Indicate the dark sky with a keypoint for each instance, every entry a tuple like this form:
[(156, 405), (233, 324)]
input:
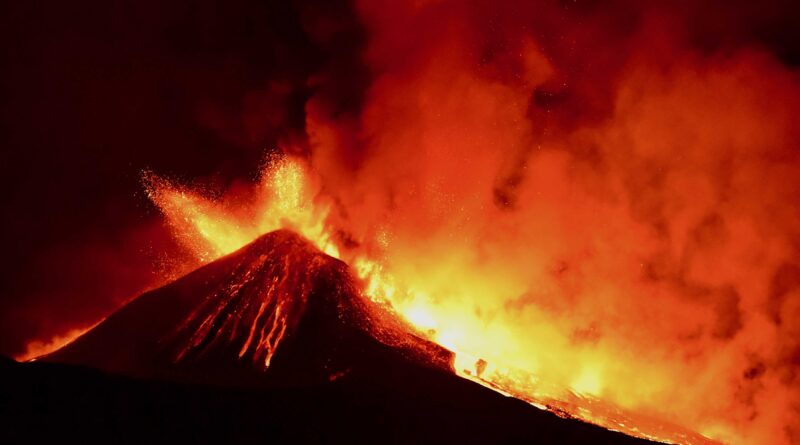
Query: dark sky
[(94, 92)]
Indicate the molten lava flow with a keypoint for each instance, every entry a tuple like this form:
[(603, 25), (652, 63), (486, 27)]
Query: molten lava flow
[(248, 305)]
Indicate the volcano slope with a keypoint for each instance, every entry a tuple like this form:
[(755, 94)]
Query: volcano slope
[(272, 343)]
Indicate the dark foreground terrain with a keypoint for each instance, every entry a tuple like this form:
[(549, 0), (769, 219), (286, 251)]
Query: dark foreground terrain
[(52, 403)]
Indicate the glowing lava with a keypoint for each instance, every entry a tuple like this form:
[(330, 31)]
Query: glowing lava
[(282, 199)]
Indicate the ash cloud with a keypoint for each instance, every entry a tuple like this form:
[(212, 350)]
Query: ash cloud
[(622, 174)]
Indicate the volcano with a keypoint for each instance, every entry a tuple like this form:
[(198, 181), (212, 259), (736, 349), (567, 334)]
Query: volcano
[(274, 343), (226, 322)]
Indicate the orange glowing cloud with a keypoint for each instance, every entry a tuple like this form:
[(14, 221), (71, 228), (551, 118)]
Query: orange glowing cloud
[(585, 227)]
